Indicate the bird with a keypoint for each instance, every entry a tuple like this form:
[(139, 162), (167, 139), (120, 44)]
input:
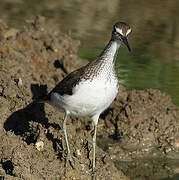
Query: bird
[(89, 90)]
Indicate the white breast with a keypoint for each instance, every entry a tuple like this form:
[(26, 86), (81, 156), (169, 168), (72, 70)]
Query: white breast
[(89, 97)]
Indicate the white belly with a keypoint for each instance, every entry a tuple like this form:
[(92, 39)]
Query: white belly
[(88, 99)]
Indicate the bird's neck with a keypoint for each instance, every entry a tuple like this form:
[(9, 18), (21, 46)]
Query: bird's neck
[(110, 52)]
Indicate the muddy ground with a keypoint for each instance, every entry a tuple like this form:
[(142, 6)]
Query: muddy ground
[(32, 61)]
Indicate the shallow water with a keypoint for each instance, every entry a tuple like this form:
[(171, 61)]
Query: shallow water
[(140, 165), (150, 168)]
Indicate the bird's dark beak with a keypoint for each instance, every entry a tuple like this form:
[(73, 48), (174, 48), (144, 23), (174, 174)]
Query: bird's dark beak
[(124, 40)]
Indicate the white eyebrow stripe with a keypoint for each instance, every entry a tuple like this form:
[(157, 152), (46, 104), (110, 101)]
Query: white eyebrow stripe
[(119, 31), (128, 31)]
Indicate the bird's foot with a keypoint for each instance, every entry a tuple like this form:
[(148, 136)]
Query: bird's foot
[(69, 158), (93, 173), (92, 170)]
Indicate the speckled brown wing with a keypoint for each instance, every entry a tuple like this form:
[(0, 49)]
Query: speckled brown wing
[(70, 81)]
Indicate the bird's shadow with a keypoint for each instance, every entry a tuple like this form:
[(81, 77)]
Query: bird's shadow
[(21, 121)]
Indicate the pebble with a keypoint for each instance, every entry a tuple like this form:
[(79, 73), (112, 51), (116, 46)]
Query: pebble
[(39, 145), (19, 84)]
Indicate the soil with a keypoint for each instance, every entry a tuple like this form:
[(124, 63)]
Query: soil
[(32, 61)]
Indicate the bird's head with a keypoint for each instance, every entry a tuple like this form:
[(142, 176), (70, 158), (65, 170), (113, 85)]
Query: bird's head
[(121, 32)]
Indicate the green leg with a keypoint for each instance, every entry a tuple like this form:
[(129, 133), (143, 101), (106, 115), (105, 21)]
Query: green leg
[(66, 141), (94, 147)]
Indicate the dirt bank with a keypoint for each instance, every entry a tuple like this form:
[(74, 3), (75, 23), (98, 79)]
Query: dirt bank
[(39, 56)]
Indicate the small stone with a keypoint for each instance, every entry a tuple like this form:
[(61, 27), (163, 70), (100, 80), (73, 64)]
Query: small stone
[(55, 50), (19, 84), (1, 90), (78, 152), (39, 145), (167, 150), (10, 33)]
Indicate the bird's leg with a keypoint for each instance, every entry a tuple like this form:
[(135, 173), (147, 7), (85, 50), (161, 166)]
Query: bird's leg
[(66, 141), (94, 147)]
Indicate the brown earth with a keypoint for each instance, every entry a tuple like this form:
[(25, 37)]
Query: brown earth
[(39, 56)]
